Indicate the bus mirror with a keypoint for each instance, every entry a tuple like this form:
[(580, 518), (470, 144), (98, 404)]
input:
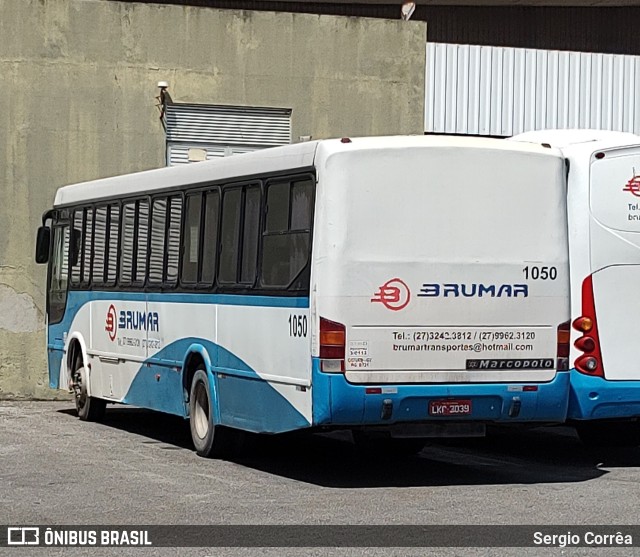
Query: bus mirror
[(42, 244)]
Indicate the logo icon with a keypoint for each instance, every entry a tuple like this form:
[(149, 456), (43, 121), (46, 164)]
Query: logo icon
[(633, 185), (29, 535), (111, 325), (393, 294)]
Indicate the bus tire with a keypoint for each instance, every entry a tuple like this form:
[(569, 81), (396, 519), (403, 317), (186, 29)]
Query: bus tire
[(88, 408), (609, 434), (210, 440)]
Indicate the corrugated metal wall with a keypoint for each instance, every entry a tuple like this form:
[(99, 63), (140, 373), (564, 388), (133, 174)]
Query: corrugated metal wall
[(199, 131), (496, 91)]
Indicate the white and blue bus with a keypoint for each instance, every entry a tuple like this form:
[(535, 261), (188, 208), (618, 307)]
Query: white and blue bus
[(398, 287), (604, 248)]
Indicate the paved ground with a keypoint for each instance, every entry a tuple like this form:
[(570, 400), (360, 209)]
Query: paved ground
[(138, 468)]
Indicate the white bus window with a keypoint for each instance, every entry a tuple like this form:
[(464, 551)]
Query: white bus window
[(60, 261), (158, 229), (250, 233), (128, 229), (99, 245), (113, 231), (59, 273), (285, 245), (86, 250), (230, 235), (210, 237), (76, 275), (278, 207), (193, 211), (142, 233), (173, 240), (301, 205)]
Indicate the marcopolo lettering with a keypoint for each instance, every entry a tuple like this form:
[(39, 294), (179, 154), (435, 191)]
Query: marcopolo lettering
[(138, 320), (455, 290), (529, 363)]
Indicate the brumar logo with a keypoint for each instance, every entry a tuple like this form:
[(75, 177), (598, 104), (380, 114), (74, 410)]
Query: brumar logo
[(633, 185), (393, 294), (111, 324)]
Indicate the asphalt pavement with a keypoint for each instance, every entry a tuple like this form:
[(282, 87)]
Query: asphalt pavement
[(138, 467)]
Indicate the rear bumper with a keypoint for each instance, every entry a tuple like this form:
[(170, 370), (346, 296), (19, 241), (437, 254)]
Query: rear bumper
[(338, 402), (594, 398)]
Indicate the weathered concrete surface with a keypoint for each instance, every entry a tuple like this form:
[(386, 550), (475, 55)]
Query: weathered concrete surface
[(78, 81)]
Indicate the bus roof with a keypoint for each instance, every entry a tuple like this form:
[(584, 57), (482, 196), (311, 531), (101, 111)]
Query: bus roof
[(272, 160), (588, 138)]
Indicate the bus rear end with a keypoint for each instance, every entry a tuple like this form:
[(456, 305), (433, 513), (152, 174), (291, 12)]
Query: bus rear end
[(606, 380), (439, 285)]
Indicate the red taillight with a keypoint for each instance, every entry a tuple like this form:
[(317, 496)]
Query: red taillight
[(585, 344), (332, 345), (583, 324), (591, 361)]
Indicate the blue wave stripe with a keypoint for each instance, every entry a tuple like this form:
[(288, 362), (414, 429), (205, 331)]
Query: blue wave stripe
[(244, 400)]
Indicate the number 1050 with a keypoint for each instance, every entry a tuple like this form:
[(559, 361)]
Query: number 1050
[(540, 273), (297, 325)]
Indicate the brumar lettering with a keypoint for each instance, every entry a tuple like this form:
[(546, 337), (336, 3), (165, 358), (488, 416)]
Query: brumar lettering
[(479, 290), (138, 320)]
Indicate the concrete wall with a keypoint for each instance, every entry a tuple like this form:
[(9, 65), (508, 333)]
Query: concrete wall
[(78, 84)]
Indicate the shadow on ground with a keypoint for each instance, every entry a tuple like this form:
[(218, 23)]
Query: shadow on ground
[(505, 456)]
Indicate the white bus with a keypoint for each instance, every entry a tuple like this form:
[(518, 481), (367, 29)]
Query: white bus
[(399, 287), (604, 246)]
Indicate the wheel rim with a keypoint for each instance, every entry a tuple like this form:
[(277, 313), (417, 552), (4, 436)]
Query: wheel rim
[(201, 414), (80, 388)]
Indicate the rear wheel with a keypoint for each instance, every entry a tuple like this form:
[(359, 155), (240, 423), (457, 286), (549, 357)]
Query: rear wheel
[(209, 439), (609, 434), (88, 408)]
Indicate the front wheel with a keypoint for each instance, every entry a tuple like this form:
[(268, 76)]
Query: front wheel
[(88, 408), (209, 440)]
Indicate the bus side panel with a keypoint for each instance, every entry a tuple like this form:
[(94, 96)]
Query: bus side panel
[(604, 222), (264, 367), (58, 339), (615, 258)]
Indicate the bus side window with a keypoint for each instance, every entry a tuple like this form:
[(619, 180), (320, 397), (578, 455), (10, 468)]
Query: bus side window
[(99, 245), (142, 242), (158, 230), (113, 232), (286, 238), (191, 255), (60, 260), (166, 214), (128, 229), (59, 273), (230, 235), (87, 252), (76, 247), (210, 237), (301, 205), (173, 240), (250, 235)]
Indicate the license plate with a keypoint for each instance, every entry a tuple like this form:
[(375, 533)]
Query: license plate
[(449, 407)]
